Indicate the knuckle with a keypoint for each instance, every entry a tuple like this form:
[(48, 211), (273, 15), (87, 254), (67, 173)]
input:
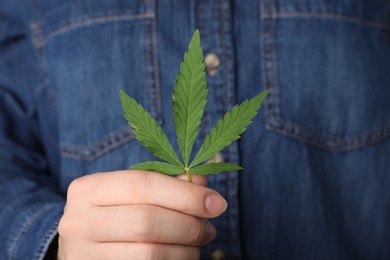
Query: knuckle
[(142, 185), (145, 223), (151, 252), (64, 227), (195, 234), (72, 224), (195, 252), (77, 188), (186, 200)]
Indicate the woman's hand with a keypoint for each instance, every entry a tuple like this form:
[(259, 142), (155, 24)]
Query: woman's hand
[(137, 215)]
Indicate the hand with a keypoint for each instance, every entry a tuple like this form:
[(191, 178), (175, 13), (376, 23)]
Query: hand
[(137, 215)]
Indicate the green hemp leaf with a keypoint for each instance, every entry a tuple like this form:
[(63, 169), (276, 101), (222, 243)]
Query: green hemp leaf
[(189, 100)]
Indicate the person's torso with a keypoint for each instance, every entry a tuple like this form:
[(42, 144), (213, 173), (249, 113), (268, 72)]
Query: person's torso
[(315, 183)]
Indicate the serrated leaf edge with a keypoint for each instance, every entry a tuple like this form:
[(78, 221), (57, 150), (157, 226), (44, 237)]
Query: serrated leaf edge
[(174, 159), (158, 166), (235, 111), (202, 169), (190, 84)]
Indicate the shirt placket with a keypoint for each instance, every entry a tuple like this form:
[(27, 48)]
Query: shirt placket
[(213, 19)]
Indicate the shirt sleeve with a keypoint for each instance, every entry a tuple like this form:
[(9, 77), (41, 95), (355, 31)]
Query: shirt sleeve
[(31, 203)]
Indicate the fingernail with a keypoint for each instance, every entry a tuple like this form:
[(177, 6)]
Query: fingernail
[(215, 204), (211, 231)]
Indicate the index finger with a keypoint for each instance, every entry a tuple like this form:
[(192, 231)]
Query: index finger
[(144, 187)]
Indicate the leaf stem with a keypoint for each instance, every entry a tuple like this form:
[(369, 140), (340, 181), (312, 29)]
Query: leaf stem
[(188, 174)]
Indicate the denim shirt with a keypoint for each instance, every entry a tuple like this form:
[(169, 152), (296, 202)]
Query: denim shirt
[(316, 178)]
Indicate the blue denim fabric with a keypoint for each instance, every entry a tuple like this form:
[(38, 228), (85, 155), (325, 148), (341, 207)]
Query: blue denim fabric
[(316, 183)]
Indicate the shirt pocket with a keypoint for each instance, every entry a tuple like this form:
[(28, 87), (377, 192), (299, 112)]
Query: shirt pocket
[(327, 66), (92, 49)]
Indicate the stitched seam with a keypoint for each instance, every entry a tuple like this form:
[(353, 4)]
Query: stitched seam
[(326, 147), (264, 50), (96, 20), (224, 58), (198, 21), (96, 145), (91, 152), (156, 67), (98, 153), (26, 227), (337, 141), (48, 238), (226, 104), (196, 24), (349, 18), (268, 60), (273, 59), (44, 85), (284, 126), (147, 65)]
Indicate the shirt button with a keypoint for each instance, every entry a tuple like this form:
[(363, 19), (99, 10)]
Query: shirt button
[(212, 63), (217, 158), (218, 255)]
